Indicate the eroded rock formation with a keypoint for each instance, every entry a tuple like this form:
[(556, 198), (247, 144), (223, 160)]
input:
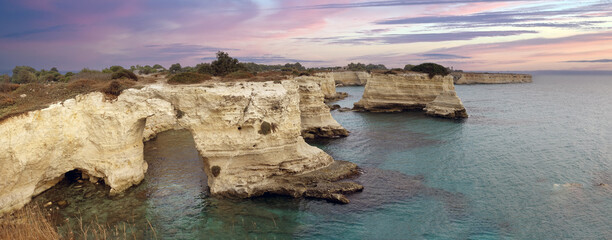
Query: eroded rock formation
[(412, 91), (247, 133), (351, 78), (490, 78), (446, 105), (327, 84), (315, 115)]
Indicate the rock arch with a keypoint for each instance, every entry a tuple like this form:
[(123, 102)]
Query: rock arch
[(105, 139)]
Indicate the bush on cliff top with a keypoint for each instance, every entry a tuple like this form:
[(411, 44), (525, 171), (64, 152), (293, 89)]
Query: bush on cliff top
[(124, 73), (431, 68), (188, 78)]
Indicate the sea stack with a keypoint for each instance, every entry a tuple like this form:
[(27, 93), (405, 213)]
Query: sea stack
[(317, 120), (351, 78), (490, 78), (412, 91)]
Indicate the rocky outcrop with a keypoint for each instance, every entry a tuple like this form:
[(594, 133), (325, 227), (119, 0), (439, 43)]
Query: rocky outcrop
[(490, 78), (247, 133), (351, 78), (446, 105), (327, 84), (315, 115), (411, 91)]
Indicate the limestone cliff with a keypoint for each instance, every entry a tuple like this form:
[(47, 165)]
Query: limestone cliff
[(490, 78), (351, 78), (327, 84), (411, 91), (316, 118), (247, 133), (446, 105)]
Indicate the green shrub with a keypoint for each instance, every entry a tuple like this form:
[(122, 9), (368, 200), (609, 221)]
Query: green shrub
[(5, 78), (124, 73), (408, 67), (239, 75), (87, 70), (24, 74), (116, 68), (175, 68), (204, 68), (188, 78), (50, 76), (432, 69), (24, 77), (225, 64)]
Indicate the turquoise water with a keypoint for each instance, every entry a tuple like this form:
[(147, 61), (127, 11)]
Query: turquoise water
[(529, 163)]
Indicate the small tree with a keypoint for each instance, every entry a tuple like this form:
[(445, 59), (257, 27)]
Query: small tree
[(24, 74), (116, 68), (24, 77), (408, 67), (175, 68), (432, 69), (204, 68), (54, 69), (225, 64), (124, 73)]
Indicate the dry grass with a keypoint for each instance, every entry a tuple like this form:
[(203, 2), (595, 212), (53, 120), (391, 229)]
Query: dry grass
[(261, 77), (8, 87), (97, 76), (38, 96), (189, 78), (27, 223), (239, 75), (35, 223)]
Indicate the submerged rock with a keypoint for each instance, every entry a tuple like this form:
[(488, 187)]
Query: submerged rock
[(334, 107), (323, 184)]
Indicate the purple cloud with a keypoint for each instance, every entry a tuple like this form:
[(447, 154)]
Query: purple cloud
[(413, 38), (592, 61), (442, 56)]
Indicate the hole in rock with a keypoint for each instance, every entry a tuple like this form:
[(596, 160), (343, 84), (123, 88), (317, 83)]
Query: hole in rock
[(73, 176)]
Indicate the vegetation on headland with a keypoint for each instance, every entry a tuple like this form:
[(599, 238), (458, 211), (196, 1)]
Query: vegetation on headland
[(29, 89), (432, 69)]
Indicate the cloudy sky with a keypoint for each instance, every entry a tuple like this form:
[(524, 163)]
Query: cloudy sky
[(466, 34)]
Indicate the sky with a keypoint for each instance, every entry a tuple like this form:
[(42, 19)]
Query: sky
[(470, 35)]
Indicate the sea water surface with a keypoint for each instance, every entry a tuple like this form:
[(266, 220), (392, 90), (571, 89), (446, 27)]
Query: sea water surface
[(533, 161)]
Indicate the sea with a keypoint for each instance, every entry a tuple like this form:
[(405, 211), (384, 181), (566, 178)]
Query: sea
[(532, 161)]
